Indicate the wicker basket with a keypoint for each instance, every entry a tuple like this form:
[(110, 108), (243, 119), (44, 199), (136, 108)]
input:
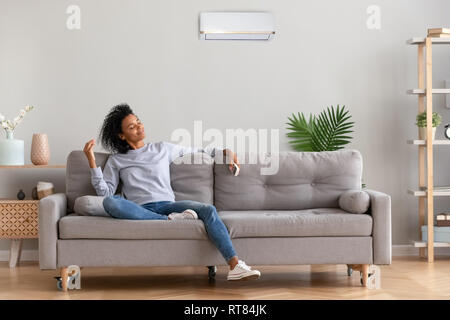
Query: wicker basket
[(19, 219), (45, 193)]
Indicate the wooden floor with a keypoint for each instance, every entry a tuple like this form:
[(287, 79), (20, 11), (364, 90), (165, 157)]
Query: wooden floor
[(406, 278)]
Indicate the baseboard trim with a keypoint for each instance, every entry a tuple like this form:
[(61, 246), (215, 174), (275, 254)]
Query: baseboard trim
[(410, 250), (27, 255), (397, 251)]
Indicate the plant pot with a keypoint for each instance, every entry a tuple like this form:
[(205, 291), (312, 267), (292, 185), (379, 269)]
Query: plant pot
[(11, 151), (423, 133), (40, 150)]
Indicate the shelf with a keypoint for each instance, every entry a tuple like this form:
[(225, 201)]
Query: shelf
[(424, 244), (61, 166), (424, 91), (423, 193), (424, 142), (421, 40)]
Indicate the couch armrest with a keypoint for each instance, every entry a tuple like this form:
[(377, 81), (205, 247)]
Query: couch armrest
[(380, 209), (51, 209)]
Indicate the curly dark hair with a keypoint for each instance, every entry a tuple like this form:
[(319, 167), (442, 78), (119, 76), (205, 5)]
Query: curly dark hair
[(112, 126)]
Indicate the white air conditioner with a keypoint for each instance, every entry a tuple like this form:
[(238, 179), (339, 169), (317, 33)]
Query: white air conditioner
[(236, 26)]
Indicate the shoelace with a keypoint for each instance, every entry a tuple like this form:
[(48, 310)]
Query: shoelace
[(243, 265)]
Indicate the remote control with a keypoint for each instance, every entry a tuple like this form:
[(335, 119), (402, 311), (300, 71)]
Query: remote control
[(235, 169)]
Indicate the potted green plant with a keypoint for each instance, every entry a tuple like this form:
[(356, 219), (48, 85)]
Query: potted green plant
[(421, 122), (325, 132)]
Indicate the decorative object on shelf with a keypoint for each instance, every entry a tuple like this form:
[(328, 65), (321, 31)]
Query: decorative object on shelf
[(326, 132), (12, 150), (20, 195), (439, 32), (40, 150), (34, 194), (44, 189), (441, 234), (443, 220), (447, 131), (421, 122)]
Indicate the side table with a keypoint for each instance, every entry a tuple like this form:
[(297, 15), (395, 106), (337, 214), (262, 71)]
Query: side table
[(18, 221)]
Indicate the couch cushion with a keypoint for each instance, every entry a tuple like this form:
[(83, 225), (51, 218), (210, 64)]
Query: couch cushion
[(78, 176), (321, 222), (185, 172), (192, 178), (241, 224), (300, 180), (354, 201), (75, 226), (90, 206)]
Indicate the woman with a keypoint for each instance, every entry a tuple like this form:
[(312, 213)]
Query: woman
[(145, 173)]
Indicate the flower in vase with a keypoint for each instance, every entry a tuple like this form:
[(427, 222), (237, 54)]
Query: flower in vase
[(10, 126)]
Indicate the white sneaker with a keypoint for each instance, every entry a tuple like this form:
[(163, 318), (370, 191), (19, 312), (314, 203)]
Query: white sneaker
[(186, 214), (243, 272)]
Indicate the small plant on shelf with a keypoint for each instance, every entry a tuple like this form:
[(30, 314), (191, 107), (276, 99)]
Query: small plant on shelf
[(421, 122)]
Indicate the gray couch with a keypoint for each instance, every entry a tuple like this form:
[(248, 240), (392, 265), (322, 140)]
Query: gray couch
[(289, 218)]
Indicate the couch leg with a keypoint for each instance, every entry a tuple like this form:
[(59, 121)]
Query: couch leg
[(70, 278), (212, 272), (370, 275), (364, 274), (64, 278), (349, 270)]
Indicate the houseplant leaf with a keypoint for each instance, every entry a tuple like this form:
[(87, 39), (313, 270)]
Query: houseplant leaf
[(326, 132)]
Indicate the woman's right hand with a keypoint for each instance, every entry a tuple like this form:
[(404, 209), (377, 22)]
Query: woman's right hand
[(89, 152)]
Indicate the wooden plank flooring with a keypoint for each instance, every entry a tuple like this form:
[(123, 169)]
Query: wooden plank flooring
[(406, 278)]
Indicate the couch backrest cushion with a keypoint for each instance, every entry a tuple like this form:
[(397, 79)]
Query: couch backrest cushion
[(304, 180), (194, 179), (189, 181)]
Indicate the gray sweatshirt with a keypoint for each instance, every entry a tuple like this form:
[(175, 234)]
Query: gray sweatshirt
[(145, 172)]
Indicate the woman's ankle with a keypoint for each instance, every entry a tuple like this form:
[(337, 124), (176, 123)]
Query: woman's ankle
[(233, 262)]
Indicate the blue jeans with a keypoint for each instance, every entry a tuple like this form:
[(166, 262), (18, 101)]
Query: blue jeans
[(121, 208)]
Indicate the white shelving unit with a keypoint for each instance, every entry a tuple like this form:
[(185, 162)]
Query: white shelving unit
[(424, 142), (425, 92), (433, 91), (423, 244), (423, 193)]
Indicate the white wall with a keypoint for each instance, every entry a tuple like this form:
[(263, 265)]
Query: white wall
[(147, 53)]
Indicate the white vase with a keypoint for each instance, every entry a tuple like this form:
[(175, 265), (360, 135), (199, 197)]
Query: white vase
[(11, 151), (423, 133)]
